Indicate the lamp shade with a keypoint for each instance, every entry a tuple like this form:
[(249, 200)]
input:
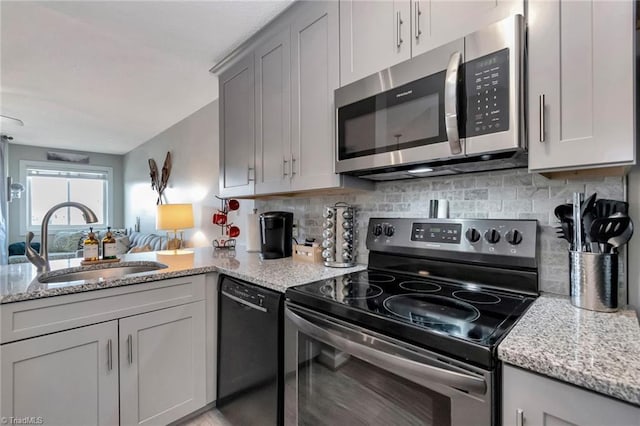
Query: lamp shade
[(174, 216)]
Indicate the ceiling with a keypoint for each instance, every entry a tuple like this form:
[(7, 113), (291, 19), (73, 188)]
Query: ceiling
[(106, 76)]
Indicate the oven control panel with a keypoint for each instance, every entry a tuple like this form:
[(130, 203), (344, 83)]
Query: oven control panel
[(437, 232), (514, 239)]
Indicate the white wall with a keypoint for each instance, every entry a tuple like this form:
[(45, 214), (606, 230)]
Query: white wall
[(17, 152), (193, 143)]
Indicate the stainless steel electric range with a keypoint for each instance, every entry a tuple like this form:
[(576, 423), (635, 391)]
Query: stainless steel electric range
[(413, 339)]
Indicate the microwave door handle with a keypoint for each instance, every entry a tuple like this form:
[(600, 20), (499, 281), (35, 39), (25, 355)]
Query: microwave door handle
[(415, 371), (451, 103)]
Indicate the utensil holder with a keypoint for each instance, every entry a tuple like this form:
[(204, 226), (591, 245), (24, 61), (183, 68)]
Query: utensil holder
[(594, 281), (338, 235)]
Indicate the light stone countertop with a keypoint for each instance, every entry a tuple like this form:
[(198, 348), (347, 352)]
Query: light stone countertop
[(18, 281), (595, 350)]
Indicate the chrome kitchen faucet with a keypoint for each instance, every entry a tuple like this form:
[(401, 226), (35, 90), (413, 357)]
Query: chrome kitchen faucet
[(41, 261)]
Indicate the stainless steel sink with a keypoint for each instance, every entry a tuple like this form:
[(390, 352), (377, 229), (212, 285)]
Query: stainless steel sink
[(112, 271)]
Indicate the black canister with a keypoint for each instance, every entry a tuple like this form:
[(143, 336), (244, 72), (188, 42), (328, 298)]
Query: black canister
[(276, 233)]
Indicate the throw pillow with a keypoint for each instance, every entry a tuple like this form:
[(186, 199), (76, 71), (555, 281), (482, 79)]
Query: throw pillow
[(140, 249), (122, 245), (65, 241)]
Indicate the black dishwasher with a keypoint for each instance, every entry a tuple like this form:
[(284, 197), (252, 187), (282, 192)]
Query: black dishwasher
[(250, 354)]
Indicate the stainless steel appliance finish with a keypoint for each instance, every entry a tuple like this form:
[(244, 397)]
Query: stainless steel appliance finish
[(466, 104), (250, 388), (416, 334), (594, 281)]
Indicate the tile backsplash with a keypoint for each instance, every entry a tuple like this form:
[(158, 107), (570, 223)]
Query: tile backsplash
[(511, 194)]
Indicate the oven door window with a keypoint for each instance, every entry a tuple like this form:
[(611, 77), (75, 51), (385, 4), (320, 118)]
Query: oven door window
[(336, 388), (405, 117)]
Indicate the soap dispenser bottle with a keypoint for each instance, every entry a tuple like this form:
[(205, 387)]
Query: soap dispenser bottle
[(90, 247), (109, 246)]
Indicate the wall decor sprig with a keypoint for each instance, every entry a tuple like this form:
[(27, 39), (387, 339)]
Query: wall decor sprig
[(159, 181)]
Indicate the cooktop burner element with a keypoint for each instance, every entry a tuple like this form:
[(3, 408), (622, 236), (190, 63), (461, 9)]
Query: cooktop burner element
[(374, 277), (451, 286), (350, 291), (476, 297), (425, 309), (423, 286)]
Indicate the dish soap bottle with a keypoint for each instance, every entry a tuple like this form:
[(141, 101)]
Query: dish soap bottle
[(90, 247), (108, 246)]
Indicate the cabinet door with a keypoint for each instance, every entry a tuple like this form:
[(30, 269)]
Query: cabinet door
[(315, 76), (373, 36), (66, 378), (162, 365), (533, 400), (437, 22), (581, 78), (237, 141), (273, 114)]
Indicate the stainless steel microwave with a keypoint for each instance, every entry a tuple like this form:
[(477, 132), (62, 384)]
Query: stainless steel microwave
[(458, 108)]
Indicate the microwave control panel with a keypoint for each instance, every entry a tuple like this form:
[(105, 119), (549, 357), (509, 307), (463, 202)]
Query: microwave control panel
[(487, 94)]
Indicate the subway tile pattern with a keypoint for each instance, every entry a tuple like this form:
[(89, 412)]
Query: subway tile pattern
[(504, 194)]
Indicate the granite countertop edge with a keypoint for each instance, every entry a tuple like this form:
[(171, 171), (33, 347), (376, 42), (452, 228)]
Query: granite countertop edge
[(279, 274), (585, 352)]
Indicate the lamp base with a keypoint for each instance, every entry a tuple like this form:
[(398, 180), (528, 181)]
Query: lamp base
[(174, 243)]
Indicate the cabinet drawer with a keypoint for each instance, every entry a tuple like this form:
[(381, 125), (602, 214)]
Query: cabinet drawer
[(42, 316)]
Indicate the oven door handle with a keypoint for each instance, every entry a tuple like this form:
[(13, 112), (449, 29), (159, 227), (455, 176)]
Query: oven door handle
[(451, 103), (417, 372)]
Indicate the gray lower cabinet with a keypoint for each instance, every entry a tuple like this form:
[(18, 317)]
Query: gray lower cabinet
[(150, 359), (66, 378), (533, 400), (581, 84), (162, 361), (237, 138)]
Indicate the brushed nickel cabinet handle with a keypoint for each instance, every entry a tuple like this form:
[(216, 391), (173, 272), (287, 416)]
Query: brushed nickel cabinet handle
[(293, 170), (284, 168), (542, 126), (398, 29), (130, 349), (417, 14), (519, 417), (249, 178), (109, 355)]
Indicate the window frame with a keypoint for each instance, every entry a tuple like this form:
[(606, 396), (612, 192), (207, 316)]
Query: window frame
[(25, 207)]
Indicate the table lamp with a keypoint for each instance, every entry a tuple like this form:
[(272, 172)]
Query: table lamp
[(174, 217)]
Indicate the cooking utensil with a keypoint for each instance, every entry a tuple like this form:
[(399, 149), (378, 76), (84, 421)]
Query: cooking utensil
[(577, 222), (587, 216), (623, 238), (605, 228), (565, 231), (564, 212), (606, 208)]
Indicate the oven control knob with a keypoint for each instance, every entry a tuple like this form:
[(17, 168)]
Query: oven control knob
[(377, 230), (472, 234), (514, 237), (492, 236), (389, 231)]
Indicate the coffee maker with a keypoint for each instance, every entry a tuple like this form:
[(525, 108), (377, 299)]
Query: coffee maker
[(276, 233)]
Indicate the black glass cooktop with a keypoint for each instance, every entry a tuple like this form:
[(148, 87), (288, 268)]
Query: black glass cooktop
[(466, 322)]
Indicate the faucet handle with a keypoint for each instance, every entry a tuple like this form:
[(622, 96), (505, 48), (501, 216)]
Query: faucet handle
[(34, 257)]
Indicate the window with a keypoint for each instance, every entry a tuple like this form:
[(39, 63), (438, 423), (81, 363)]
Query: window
[(50, 184)]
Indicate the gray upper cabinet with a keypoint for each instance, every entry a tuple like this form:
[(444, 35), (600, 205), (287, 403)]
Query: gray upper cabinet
[(581, 85), (273, 114), (533, 400), (237, 139), (315, 75), (373, 35), (437, 22), (297, 69)]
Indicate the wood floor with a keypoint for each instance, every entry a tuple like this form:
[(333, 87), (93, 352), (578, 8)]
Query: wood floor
[(208, 418)]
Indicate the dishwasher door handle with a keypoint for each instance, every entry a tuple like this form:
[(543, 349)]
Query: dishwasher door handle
[(244, 302)]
